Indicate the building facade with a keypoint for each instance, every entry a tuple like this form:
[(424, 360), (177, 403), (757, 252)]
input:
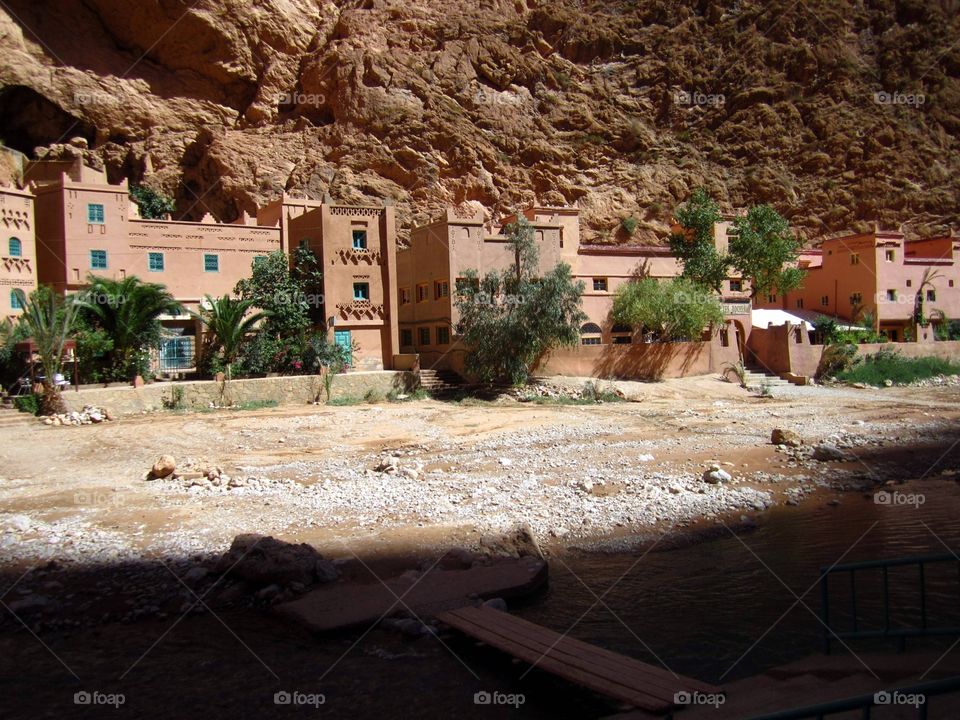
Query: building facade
[(18, 251)]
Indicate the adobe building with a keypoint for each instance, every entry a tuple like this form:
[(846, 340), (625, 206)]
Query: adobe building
[(18, 251), (441, 251), (879, 273), (89, 226)]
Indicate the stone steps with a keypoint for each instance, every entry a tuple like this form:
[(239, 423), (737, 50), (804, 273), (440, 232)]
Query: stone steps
[(438, 382)]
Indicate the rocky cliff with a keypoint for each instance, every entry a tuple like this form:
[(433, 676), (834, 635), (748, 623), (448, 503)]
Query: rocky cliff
[(838, 112)]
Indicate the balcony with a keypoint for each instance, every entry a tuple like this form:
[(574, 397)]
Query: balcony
[(360, 310)]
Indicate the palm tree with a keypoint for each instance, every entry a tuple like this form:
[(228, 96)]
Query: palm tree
[(929, 275), (228, 325), (128, 310), (49, 318)]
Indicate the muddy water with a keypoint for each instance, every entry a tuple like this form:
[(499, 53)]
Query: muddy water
[(722, 609)]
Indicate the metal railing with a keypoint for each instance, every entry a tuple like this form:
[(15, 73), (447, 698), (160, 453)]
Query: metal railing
[(898, 633), (917, 696)]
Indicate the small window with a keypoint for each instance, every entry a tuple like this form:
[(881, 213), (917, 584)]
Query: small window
[(890, 255), (441, 289), (95, 213), (800, 304), (16, 247), (406, 336), (909, 283), (361, 291), (854, 259), (951, 283), (590, 341), (736, 286), (771, 298), (359, 239), (724, 338), (931, 295), (892, 295), (798, 335), (443, 335), (423, 292), (856, 298), (211, 263), (16, 299), (155, 262), (98, 259), (424, 335), (405, 300), (600, 284), (824, 300)]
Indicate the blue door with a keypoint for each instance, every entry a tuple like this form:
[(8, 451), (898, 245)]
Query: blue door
[(342, 338)]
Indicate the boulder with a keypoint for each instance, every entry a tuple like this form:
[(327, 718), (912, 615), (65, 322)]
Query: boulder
[(163, 467), (828, 452), (715, 475), (786, 437), (263, 560)]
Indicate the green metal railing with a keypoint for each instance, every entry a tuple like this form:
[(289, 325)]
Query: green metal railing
[(898, 633), (917, 696)]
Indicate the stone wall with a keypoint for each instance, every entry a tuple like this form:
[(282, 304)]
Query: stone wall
[(288, 390)]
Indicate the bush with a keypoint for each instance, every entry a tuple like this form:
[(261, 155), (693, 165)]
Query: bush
[(373, 396), (28, 404), (888, 364), (836, 358), (629, 225)]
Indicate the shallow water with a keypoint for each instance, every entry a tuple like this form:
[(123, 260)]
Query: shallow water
[(721, 610)]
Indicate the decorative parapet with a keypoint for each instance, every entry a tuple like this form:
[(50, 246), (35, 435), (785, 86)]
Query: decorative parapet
[(356, 256), (360, 309)]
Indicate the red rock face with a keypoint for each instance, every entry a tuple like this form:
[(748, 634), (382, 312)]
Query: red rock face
[(838, 116)]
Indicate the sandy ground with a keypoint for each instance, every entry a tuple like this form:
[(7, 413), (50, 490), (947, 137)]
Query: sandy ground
[(574, 473), (104, 548)]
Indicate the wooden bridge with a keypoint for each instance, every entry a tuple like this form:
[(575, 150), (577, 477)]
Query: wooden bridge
[(644, 686)]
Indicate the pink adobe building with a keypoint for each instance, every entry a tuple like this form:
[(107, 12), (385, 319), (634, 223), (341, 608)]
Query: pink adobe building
[(880, 273), (441, 251), (18, 252), (88, 226)]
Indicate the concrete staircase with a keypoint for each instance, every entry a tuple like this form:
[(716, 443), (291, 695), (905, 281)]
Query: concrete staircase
[(10, 417), (757, 376), (440, 382)]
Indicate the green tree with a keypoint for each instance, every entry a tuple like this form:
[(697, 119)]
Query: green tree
[(674, 310), (228, 323), (49, 318), (291, 296), (694, 246), (128, 310), (153, 205), (764, 251), (926, 282), (508, 320)]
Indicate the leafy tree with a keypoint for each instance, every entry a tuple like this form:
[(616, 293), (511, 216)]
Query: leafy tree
[(694, 246), (49, 318), (509, 319), (762, 249), (153, 205), (228, 323), (291, 297), (674, 310), (765, 251), (128, 310)]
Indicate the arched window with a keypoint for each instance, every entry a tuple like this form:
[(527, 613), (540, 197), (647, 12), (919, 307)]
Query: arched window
[(622, 329), (590, 334), (17, 299), (16, 247)]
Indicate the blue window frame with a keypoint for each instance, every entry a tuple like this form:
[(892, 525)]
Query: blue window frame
[(211, 263), (16, 299), (155, 262), (359, 239), (16, 247), (98, 259), (95, 213), (361, 291)]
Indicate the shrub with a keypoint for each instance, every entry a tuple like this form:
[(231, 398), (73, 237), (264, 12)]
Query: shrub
[(888, 364), (28, 404), (373, 396), (153, 205), (836, 358), (736, 370), (629, 225)]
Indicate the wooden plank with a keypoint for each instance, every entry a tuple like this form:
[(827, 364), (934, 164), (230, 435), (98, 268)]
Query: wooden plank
[(615, 675), (341, 605), (598, 683), (512, 626)]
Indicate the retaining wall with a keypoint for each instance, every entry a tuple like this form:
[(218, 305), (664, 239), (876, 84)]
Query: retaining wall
[(286, 390)]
